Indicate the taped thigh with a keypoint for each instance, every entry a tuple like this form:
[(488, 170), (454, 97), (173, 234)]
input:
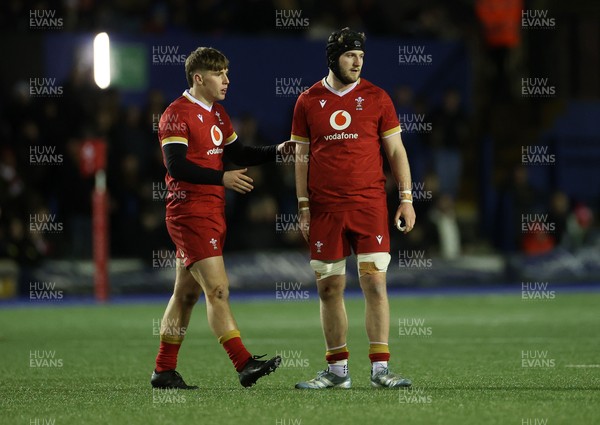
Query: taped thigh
[(325, 269), (375, 262)]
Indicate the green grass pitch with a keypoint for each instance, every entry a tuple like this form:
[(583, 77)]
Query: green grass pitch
[(474, 359)]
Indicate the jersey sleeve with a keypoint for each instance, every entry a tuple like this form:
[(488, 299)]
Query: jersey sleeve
[(228, 132), (388, 121), (300, 132), (173, 127)]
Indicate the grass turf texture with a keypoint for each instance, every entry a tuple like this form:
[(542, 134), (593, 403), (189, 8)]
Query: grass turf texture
[(467, 371)]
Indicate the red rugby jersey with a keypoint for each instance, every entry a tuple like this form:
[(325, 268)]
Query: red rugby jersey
[(205, 130), (344, 130)]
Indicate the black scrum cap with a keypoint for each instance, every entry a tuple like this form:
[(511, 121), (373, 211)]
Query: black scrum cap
[(340, 42)]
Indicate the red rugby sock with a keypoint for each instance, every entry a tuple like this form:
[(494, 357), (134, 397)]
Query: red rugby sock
[(167, 356), (232, 343)]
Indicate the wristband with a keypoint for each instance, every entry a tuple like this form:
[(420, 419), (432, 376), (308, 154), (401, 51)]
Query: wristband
[(302, 203), (406, 196)]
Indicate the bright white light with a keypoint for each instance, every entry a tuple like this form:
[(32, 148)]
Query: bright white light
[(102, 60)]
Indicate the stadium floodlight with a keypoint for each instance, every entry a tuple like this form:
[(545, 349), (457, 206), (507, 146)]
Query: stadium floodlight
[(102, 60)]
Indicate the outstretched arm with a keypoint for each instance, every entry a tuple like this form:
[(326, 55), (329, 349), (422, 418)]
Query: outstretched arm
[(255, 155), (250, 155), (180, 168)]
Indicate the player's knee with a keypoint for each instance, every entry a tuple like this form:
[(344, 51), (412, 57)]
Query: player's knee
[(187, 291), (374, 288), (373, 263), (325, 269), (220, 293), (330, 290), (188, 298)]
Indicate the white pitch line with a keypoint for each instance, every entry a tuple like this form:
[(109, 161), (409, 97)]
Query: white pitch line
[(582, 365)]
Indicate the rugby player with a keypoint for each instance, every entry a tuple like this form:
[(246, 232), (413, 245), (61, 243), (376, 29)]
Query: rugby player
[(195, 132), (340, 125)]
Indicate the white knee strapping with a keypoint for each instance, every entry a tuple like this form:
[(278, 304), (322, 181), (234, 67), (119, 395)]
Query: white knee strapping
[(375, 262), (325, 269)]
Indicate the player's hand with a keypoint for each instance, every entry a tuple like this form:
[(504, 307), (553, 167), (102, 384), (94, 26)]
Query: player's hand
[(287, 148), (305, 224), (407, 213), (238, 180)]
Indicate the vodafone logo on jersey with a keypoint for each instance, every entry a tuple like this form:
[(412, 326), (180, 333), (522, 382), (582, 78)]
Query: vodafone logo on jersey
[(340, 120), (217, 138), (216, 135)]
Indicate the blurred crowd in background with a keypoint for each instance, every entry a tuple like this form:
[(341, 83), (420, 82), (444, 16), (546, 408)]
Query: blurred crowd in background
[(445, 159)]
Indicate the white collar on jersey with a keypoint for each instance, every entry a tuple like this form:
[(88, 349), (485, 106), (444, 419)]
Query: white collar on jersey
[(191, 98), (339, 93)]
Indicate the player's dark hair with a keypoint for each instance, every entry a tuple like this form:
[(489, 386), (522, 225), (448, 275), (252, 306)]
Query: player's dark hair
[(204, 59)]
